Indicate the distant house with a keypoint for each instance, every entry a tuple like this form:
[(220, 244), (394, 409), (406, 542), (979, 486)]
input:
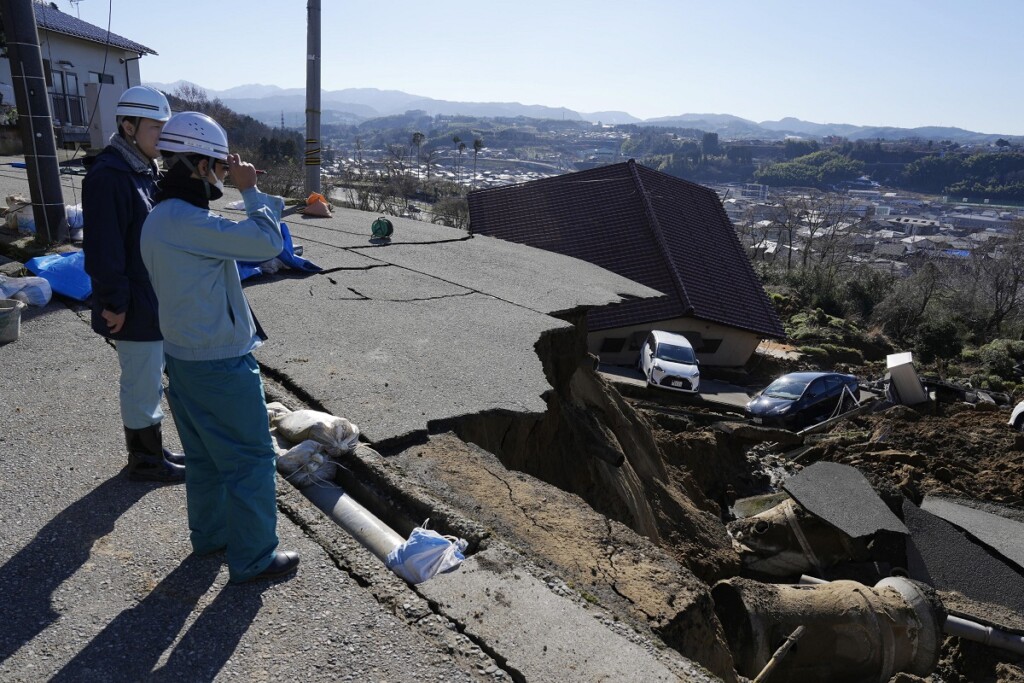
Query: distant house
[(76, 53), (886, 250), (661, 231)]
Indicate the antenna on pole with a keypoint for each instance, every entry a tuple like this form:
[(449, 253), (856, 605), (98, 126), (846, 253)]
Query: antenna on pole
[(74, 3)]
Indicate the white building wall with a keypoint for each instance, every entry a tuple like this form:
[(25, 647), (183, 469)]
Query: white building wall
[(733, 350)]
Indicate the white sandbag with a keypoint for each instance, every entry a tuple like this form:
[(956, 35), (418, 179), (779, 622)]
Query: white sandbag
[(19, 215), (337, 434), (34, 291), (275, 411), (307, 464)]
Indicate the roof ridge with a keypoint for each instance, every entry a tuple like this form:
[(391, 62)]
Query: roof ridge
[(655, 225)]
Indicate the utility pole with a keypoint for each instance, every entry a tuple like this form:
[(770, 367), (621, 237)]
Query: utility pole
[(33, 103), (313, 96)]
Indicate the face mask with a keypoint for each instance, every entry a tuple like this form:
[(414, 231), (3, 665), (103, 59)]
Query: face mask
[(212, 178)]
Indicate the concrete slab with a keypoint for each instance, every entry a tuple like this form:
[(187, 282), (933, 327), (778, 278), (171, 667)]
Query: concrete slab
[(840, 495), (423, 330), (351, 228), (536, 634), (394, 366), (1005, 536), (946, 558)]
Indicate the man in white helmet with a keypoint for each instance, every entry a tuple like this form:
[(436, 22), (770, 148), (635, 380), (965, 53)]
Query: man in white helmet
[(117, 194), (216, 393)]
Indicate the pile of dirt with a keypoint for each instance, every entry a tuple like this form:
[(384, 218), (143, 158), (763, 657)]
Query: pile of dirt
[(961, 450), (967, 451)]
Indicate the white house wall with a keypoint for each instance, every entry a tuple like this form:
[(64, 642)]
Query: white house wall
[(83, 56), (735, 348)]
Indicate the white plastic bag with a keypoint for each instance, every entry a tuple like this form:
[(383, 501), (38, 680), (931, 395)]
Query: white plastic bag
[(307, 464), (426, 554), (35, 291), (337, 434), (73, 212), (20, 216)]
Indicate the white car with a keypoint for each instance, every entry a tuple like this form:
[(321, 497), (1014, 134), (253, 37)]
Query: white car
[(667, 360)]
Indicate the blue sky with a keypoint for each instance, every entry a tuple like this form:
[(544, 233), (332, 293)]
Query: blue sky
[(897, 62)]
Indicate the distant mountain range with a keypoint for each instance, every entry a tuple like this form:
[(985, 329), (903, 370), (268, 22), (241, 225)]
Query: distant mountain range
[(267, 103)]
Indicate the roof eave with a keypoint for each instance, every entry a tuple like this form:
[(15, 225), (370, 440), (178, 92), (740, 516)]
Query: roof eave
[(144, 51)]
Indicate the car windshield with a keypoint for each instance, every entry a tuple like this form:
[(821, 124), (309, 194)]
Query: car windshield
[(785, 387), (676, 354)]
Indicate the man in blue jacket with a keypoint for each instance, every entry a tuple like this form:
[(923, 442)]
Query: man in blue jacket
[(216, 393), (117, 194)]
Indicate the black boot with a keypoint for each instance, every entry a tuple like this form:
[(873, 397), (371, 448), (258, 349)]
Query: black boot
[(169, 456), (146, 457)]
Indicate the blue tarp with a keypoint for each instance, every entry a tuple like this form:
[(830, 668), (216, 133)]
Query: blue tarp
[(287, 257), (64, 272)]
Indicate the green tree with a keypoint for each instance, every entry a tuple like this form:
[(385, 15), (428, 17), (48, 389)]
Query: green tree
[(709, 145), (417, 141), (478, 144)]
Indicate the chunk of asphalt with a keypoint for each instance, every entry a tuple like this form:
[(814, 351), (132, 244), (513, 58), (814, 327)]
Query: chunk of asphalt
[(840, 495), (945, 557), (534, 633), (1005, 536)]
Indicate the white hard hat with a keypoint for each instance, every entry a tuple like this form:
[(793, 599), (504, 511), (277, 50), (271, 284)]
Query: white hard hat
[(190, 132), (141, 100)]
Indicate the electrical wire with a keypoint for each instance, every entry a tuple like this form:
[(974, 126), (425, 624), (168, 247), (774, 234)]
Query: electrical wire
[(99, 91)]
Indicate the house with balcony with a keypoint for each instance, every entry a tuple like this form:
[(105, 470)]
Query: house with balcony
[(78, 59)]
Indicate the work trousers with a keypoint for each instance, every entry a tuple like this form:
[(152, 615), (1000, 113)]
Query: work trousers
[(142, 368), (221, 415)]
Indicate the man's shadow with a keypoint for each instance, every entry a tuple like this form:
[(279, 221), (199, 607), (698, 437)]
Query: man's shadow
[(29, 579), (129, 648)]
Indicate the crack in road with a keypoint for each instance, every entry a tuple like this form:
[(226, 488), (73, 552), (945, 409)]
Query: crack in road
[(363, 297)]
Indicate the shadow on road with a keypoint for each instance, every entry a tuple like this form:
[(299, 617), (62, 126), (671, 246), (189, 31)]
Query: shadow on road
[(29, 579)]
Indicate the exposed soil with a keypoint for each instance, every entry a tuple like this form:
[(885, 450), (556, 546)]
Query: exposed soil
[(963, 451), (967, 451), (624, 499)]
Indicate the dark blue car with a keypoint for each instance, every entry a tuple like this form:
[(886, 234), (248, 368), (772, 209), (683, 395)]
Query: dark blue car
[(800, 399)]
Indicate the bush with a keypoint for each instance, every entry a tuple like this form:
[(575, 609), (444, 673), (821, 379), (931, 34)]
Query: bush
[(814, 353), (937, 339), (999, 357), (843, 354)]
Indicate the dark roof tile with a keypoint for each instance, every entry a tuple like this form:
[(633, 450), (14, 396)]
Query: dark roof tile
[(49, 18), (653, 228)]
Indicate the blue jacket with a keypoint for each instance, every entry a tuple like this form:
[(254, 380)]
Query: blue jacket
[(191, 256), (115, 203)]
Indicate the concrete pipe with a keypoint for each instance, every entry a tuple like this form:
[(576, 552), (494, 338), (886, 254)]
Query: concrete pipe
[(966, 629), (853, 632)]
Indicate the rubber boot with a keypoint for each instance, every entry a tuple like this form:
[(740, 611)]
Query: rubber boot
[(146, 457), (169, 456)]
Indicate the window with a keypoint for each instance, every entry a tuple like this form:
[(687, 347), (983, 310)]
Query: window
[(710, 345), (636, 339), (95, 77), (612, 344)]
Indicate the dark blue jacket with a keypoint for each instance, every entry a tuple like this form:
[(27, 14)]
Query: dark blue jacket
[(115, 203)]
